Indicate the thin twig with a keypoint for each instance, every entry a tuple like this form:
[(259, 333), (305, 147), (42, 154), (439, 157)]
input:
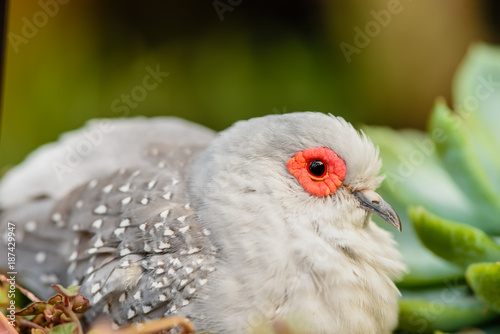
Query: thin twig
[(30, 324), (25, 292), (68, 311)]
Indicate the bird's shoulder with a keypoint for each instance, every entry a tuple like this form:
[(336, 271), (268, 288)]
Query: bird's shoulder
[(98, 149)]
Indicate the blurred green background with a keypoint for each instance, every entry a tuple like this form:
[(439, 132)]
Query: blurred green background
[(70, 61)]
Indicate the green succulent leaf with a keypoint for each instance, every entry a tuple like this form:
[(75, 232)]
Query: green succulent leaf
[(484, 279), (415, 175), (476, 92), (454, 144), (68, 328), (33, 309), (447, 309), (71, 291), (457, 243), (4, 299)]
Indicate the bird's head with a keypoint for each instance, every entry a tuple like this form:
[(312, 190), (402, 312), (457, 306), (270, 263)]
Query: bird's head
[(307, 165)]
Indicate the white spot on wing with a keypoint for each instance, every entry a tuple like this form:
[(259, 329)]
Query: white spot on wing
[(98, 243), (184, 229), (30, 226), (95, 288), (125, 188), (138, 295), (97, 223), (125, 222), (151, 184), (73, 256), (125, 251), (92, 184), (71, 268), (40, 257), (101, 209), (119, 231), (97, 298), (126, 200), (107, 188)]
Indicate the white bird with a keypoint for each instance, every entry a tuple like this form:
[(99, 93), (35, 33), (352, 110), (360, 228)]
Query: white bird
[(270, 219)]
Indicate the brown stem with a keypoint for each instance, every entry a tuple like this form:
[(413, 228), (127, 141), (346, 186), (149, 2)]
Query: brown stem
[(27, 323), (26, 292), (68, 310)]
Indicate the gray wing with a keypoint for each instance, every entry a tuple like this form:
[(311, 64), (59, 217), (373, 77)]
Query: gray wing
[(130, 238), (94, 151)]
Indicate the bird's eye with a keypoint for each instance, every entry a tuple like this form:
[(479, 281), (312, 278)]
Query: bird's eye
[(316, 168), (319, 170)]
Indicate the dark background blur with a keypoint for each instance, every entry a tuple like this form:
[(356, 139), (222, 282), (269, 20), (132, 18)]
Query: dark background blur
[(70, 61)]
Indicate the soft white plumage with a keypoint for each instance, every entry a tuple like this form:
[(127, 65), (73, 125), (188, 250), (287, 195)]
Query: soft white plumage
[(229, 237)]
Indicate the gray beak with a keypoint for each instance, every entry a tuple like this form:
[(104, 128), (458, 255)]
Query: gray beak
[(372, 202)]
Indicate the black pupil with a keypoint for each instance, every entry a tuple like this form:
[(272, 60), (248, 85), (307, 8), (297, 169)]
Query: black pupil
[(317, 168)]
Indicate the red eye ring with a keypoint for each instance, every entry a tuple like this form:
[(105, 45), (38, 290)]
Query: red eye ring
[(314, 182)]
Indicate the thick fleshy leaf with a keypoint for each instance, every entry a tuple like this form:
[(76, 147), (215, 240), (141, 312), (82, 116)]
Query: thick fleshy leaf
[(80, 304), (4, 299), (457, 243), (70, 291), (453, 142), (33, 309), (69, 328), (425, 267), (476, 93), (447, 309), (484, 279), (415, 176)]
